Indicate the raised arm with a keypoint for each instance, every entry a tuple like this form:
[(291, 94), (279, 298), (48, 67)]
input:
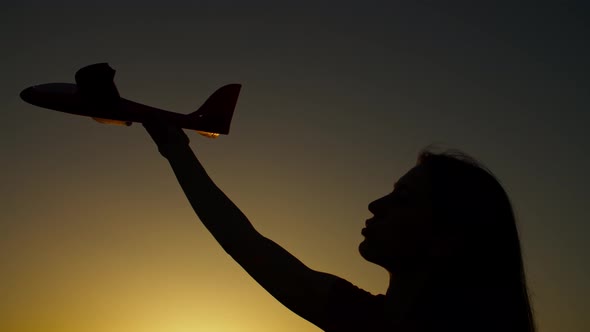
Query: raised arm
[(296, 286)]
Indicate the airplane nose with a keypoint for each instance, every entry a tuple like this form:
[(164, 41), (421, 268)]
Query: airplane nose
[(27, 94), (52, 95)]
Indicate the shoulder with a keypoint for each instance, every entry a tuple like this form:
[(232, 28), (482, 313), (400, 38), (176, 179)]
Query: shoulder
[(350, 308)]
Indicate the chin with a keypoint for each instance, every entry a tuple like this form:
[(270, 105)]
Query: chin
[(373, 255), (367, 252)]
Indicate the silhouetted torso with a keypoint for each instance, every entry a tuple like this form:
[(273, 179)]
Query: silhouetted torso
[(353, 309)]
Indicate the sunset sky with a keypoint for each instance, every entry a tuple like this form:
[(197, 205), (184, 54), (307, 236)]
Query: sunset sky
[(338, 98)]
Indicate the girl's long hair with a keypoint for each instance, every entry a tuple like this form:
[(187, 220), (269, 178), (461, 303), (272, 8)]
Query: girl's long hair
[(482, 285)]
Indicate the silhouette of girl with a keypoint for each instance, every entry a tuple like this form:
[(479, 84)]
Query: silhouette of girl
[(446, 235)]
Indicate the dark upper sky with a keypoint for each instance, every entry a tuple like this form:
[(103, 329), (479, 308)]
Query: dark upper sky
[(338, 98)]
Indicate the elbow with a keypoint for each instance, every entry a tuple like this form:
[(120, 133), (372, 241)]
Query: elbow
[(245, 247), (235, 238)]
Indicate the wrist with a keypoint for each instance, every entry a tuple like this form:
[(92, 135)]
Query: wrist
[(168, 149)]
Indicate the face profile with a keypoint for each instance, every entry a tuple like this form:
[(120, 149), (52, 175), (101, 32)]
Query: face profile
[(400, 230)]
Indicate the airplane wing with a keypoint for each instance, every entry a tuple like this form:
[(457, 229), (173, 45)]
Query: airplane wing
[(96, 83)]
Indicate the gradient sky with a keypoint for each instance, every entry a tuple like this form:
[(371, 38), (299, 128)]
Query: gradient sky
[(337, 100)]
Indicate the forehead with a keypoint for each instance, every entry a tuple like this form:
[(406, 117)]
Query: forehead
[(417, 178)]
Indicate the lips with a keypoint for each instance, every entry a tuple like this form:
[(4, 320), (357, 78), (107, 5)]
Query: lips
[(368, 230)]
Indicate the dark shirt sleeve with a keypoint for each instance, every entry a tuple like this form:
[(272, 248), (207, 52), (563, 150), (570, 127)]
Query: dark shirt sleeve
[(350, 308)]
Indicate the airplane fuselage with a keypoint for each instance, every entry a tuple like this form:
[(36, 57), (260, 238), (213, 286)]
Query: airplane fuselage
[(65, 97), (95, 95)]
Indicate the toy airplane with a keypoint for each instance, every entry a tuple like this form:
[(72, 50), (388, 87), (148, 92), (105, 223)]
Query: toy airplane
[(95, 95)]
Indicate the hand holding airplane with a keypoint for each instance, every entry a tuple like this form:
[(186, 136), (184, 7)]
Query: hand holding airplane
[(95, 95)]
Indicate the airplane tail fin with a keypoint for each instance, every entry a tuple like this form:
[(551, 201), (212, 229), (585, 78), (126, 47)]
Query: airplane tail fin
[(214, 116)]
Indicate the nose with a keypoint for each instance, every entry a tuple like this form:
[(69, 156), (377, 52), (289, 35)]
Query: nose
[(376, 205)]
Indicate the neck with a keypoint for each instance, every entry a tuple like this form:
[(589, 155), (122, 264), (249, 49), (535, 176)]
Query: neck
[(406, 288)]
